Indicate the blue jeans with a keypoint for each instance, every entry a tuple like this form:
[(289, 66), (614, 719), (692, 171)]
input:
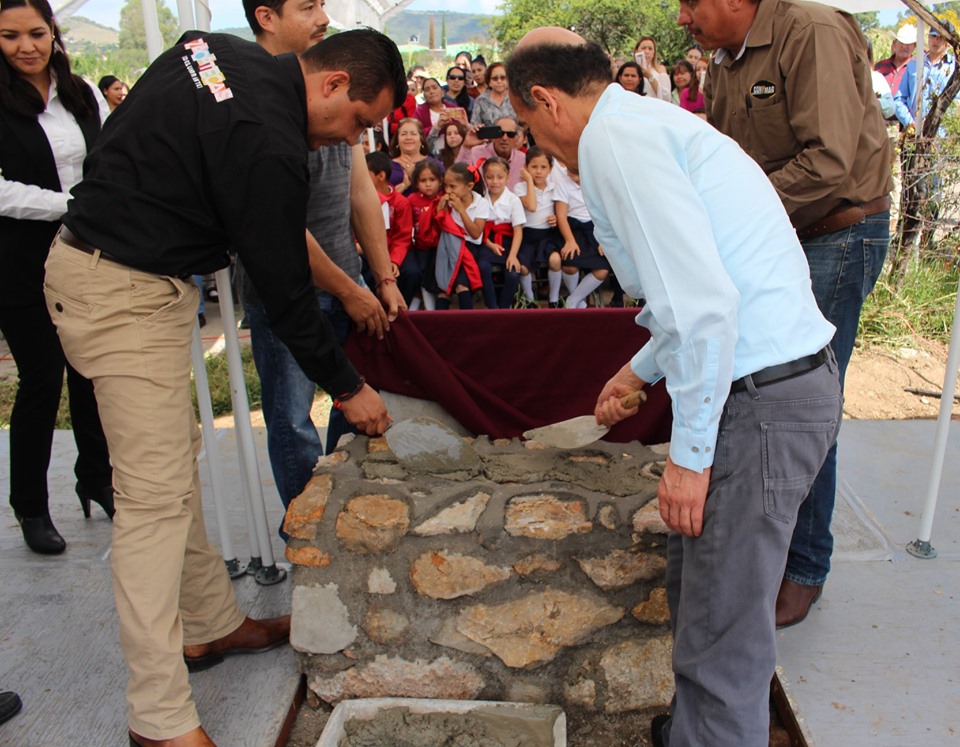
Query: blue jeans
[(844, 267), (293, 442)]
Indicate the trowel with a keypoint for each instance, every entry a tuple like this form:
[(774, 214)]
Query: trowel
[(579, 431)]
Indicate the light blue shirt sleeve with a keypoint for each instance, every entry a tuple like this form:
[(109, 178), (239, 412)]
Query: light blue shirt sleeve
[(905, 97)]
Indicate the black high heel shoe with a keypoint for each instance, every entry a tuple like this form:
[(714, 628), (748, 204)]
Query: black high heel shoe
[(41, 535), (103, 497)]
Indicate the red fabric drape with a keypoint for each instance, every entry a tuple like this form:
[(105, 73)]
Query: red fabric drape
[(502, 372)]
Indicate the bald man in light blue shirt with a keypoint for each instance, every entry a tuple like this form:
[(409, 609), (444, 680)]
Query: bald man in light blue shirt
[(690, 222)]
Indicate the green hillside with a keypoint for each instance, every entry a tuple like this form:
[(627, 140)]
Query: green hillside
[(461, 27)]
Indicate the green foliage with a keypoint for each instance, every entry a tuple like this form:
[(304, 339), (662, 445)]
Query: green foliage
[(613, 24), (133, 35), (869, 20)]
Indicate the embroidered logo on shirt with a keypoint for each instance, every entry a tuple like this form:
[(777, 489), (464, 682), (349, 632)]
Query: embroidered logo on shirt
[(763, 89), (207, 73)]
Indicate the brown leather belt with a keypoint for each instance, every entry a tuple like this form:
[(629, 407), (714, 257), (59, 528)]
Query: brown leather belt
[(773, 374), (69, 238), (843, 217)]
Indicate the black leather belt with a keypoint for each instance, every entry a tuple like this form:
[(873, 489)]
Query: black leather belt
[(783, 371), (69, 238)]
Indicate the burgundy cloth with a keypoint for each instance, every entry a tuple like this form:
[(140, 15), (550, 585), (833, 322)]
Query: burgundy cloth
[(502, 372)]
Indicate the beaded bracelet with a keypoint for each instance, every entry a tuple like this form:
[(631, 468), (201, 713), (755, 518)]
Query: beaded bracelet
[(388, 279), (337, 401)]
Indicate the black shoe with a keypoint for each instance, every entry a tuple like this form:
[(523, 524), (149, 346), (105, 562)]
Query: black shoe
[(244, 323), (41, 535), (656, 729), (10, 705), (103, 497), (202, 320)]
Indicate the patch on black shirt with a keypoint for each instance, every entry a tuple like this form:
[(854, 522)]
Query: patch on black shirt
[(204, 69)]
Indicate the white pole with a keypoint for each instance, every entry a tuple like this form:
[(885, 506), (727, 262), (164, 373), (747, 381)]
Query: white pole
[(921, 546), (212, 448), (203, 15), (185, 15), (151, 25), (241, 419)]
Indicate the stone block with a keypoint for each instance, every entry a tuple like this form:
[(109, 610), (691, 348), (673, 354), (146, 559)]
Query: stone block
[(448, 637), (655, 610), (532, 630), (638, 675), (608, 518), (538, 563), (621, 568), (320, 621), (329, 461), (386, 626), (305, 512), (309, 556), (445, 575), (373, 524), (393, 676), (546, 517), (459, 517), (647, 519), (381, 582)]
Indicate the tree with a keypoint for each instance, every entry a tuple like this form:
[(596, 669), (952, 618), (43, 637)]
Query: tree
[(132, 32), (613, 24)]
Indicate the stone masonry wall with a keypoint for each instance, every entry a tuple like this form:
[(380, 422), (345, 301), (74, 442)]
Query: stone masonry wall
[(470, 569)]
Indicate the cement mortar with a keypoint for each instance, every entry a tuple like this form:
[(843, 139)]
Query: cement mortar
[(399, 727)]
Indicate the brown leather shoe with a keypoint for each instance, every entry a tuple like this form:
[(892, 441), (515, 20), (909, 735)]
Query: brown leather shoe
[(794, 602), (252, 637), (195, 738)]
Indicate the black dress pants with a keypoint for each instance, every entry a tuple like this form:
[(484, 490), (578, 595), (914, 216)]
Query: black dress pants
[(40, 363)]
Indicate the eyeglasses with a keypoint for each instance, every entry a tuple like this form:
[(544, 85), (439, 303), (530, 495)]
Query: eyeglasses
[(498, 77), (456, 77), (508, 133)]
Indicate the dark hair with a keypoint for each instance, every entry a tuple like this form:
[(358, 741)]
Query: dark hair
[(495, 161), (370, 58), (250, 11), (493, 66), (379, 163), (694, 86), (468, 174), (642, 87), (395, 139), (462, 98), (692, 46), (571, 68), (461, 53), (21, 97), (106, 81), (447, 154), (427, 164), (479, 58), (535, 151)]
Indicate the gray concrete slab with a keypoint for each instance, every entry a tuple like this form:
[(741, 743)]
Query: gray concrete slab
[(875, 663), (58, 626)]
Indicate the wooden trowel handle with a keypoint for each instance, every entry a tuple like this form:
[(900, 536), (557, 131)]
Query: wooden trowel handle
[(634, 399)]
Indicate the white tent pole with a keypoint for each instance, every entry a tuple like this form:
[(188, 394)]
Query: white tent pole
[(185, 15), (921, 546), (203, 15), (214, 459), (151, 25)]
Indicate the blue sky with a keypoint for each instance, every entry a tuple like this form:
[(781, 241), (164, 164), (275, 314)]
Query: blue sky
[(229, 13)]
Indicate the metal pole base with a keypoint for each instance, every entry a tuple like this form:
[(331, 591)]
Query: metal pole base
[(235, 569), (920, 549), (270, 575), (254, 566)]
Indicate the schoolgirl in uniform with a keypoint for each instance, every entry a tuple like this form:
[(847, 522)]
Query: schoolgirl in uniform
[(428, 179), (502, 235), (541, 240), (461, 215), (580, 250)]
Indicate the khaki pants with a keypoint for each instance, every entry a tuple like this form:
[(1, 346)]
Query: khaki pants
[(130, 332)]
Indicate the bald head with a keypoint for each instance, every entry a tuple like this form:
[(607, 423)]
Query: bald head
[(557, 58)]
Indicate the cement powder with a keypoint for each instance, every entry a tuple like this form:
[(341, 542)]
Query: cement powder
[(399, 727)]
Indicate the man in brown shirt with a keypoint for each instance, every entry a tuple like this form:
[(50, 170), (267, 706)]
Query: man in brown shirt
[(790, 82)]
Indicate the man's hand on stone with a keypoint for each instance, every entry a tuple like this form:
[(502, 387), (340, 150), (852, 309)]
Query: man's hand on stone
[(683, 494), (366, 311), (367, 412)]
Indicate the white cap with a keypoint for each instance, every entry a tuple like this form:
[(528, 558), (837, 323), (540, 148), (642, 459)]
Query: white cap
[(907, 34)]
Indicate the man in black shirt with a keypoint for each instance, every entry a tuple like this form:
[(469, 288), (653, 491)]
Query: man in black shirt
[(207, 153)]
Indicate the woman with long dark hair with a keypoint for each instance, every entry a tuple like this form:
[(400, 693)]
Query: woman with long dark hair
[(455, 92), (630, 78), (49, 119)]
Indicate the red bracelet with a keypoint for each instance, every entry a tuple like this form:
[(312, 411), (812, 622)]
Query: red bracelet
[(388, 279), (337, 401)]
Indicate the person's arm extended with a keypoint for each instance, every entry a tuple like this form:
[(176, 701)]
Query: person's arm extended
[(512, 262), (371, 232), (529, 198), (570, 247)]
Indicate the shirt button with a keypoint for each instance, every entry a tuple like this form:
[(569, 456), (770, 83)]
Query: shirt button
[(695, 450), (58, 306), (706, 399), (707, 450)]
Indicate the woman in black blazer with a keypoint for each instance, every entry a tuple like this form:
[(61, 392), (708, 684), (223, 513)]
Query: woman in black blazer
[(49, 119)]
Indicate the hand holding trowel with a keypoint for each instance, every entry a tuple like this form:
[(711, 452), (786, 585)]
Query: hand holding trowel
[(582, 430)]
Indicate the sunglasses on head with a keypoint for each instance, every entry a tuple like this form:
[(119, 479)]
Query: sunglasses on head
[(456, 77)]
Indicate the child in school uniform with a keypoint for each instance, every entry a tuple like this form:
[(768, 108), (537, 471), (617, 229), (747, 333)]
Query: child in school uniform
[(541, 240), (399, 220), (580, 250), (428, 180), (502, 235), (461, 215)]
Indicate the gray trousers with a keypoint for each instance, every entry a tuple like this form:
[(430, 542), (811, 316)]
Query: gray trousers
[(722, 586)]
